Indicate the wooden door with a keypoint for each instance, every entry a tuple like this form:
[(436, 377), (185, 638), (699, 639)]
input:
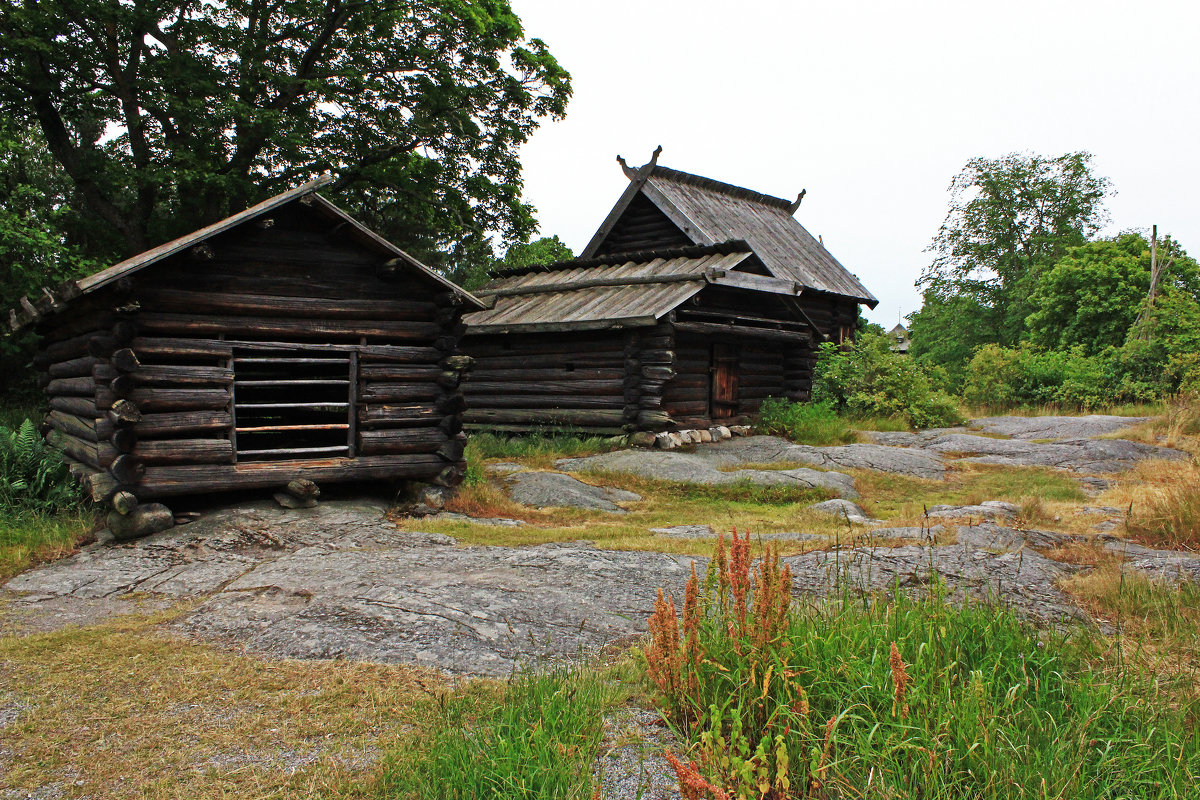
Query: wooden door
[(724, 381)]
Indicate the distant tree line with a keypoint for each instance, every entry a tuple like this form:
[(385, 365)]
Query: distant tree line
[(1023, 304)]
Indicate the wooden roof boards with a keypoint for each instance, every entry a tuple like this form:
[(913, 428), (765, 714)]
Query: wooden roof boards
[(58, 299), (628, 293), (708, 212)]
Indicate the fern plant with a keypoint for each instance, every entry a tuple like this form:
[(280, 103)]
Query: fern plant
[(33, 476)]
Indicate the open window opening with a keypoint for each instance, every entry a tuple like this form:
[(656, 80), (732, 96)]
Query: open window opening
[(291, 404)]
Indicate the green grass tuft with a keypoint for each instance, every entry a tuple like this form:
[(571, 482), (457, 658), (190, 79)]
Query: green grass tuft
[(804, 423), (536, 738)]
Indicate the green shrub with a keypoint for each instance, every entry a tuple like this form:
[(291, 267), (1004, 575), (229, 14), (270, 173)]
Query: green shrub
[(867, 379), (917, 696), (536, 740), (806, 423), (33, 476)]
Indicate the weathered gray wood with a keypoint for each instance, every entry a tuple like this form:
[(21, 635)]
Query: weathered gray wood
[(401, 440), (231, 326), (75, 387), (193, 302), (167, 347), (74, 368), (124, 412), (176, 480), (184, 451), (155, 375), (163, 399), (79, 406), (548, 416), (127, 469), (78, 427), (125, 359), (123, 502), (78, 449), (396, 392)]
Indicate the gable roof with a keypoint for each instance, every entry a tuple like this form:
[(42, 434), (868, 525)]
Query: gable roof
[(709, 211), (55, 301), (621, 291)]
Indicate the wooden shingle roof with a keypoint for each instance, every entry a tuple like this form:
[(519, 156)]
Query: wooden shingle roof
[(709, 212), (625, 291)]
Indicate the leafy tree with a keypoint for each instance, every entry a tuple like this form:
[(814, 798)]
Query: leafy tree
[(41, 238), (1092, 296), (947, 330), (866, 378), (546, 250), (1010, 219), (169, 114)]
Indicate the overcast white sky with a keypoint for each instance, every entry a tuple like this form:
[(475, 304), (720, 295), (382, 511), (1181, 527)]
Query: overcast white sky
[(871, 106)]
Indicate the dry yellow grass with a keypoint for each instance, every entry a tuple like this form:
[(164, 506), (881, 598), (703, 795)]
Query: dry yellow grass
[(121, 710), (1163, 498)]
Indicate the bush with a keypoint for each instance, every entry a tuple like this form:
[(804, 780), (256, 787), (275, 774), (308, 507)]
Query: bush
[(867, 379), (917, 696), (33, 476), (806, 423), (1138, 372)]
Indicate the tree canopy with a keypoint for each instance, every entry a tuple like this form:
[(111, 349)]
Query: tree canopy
[(166, 115), (1091, 297), (1010, 219)]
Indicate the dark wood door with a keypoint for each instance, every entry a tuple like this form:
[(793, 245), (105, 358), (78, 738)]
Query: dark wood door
[(724, 381)]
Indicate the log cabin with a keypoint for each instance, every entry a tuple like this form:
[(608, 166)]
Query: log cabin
[(287, 341), (694, 302)]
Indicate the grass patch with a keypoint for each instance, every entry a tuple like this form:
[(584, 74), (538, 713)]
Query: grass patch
[(532, 737), (29, 538), (805, 423), (1157, 619), (1053, 410), (12, 415), (761, 509), (539, 449), (1165, 502), (901, 497), (119, 710), (911, 697)]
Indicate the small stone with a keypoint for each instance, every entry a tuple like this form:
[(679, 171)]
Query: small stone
[(105, 536), (142, 521), (287, 501), (705, 436), (641, 439), (303, 489), (184, 517), (844, 509), (504, 468), (434, 496), (664, 441), (740, 430), (676, 438), (720, 433)]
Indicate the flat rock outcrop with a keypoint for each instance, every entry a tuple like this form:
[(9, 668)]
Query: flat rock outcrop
[(702, 467), (553, 489)]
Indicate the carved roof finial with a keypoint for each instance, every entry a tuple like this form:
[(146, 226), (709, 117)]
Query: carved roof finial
[(629, 173), (799, 199), (643, 171)]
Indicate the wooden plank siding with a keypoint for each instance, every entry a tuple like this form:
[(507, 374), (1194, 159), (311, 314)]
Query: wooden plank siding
[(274, 349)]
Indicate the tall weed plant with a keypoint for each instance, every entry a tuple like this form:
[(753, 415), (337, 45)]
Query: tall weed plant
[(866, 378), (911, 697)]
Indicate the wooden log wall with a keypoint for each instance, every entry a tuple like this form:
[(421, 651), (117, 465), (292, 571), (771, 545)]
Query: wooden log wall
[(524, 382), (144, 382)]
